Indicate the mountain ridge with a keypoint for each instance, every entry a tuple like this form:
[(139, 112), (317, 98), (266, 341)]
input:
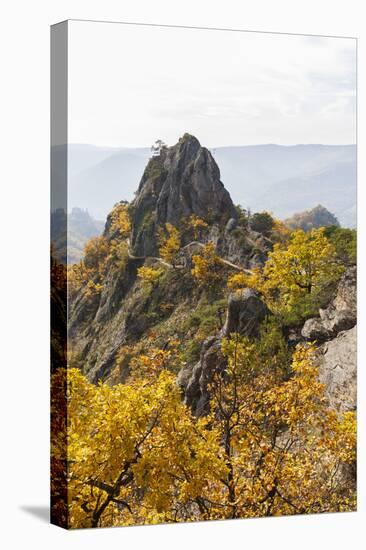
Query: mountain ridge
[(251, 173)]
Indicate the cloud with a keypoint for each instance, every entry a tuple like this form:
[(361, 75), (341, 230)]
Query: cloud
[(130, 84)]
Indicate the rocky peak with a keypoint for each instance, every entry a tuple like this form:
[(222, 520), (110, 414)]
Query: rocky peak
[(181, 181)]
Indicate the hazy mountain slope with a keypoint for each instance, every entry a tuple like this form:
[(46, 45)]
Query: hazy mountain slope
[(80, 228), (98, 184), (334, 188), (283, 179), (261, 166)]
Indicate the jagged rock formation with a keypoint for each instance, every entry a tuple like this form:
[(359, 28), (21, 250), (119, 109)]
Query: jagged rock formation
[(185, 180), (245, 312), (182, 181)]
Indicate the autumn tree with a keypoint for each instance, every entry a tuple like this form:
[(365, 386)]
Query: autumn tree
[(239, 281), (270, 445), (147, 366), (280, 233), (197, 225), (207, 266), (120, 220), (305, 264), (89, 273), (284, 448), (295, 273), (95, 254), (135, 453), (149, 275), (170, 241)]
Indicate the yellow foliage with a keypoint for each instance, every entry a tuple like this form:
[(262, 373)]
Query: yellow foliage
[(207, 266), (135, 453), (299, 268), (283, 445), (77, 276), (121, 220), (280, 232), (95, 254), (149, 275), (89, 273), (197, 225), (242, 280), (170, 243), (306, 263), (270, 445), (148, 366)]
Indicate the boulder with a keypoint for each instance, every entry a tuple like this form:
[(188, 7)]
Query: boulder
[(338, 370), (314, 329), (195, 382), (340, 315), (245, 312)]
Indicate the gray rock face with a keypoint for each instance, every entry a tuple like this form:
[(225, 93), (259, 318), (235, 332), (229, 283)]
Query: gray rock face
[(340, 315), (338, 370), (244, 314), (342, 312), (314, 329), (336, 327), (194, 381), (182, 181)]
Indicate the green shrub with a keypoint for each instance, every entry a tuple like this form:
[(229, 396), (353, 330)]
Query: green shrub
[(345, 243), (262, 222)]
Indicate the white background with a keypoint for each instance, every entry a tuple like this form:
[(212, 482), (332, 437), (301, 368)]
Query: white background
[(24, 235)]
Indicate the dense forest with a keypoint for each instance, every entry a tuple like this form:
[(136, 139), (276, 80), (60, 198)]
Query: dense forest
[(200, 375)]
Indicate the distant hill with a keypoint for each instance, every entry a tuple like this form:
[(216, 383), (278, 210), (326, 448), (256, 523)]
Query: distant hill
[(312, 219), (281, 179), (80, 227), (100, 177)]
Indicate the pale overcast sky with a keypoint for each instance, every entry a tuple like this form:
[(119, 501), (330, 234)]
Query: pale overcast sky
[(129, 85)]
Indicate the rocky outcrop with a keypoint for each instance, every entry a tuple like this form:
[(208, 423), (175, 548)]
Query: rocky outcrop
[(245, 312), (340, 315), (194, 381), (338, 370), (182, 181), (335, 329)]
